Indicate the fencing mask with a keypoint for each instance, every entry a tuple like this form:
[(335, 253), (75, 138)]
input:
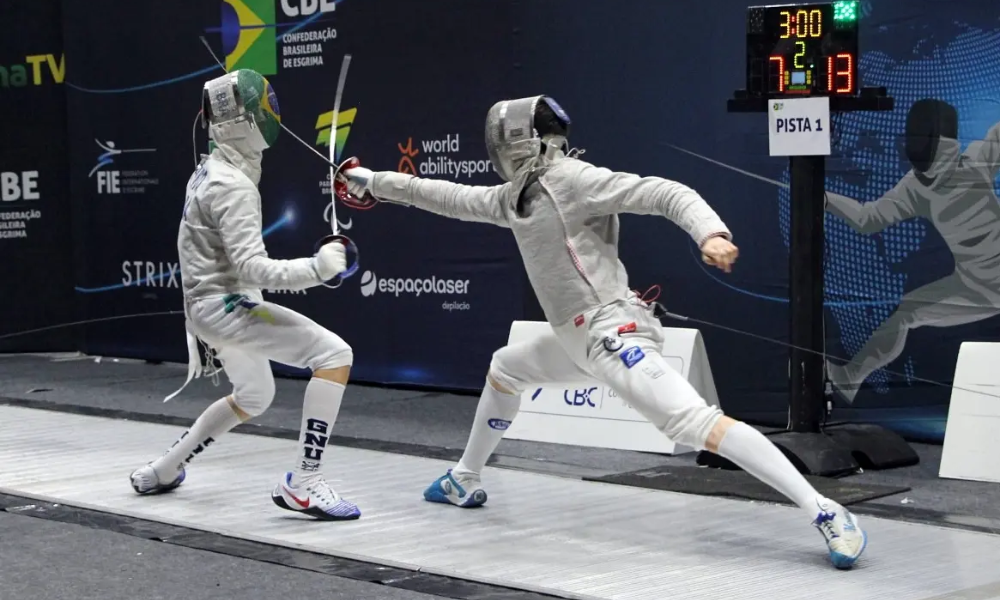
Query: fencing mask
[(241, 105), (928, 121), (517, 131)]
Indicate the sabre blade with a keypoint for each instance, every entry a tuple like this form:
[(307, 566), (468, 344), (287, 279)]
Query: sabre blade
[(334, 223), (730, 167)]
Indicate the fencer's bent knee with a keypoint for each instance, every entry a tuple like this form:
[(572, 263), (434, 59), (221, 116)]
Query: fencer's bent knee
[(255, 397), (333, 354), (677, 409), (500, 375), (691, 425)]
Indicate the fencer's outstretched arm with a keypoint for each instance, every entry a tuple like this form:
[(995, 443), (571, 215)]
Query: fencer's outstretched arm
[(605, 192), (986, 152), (898, 204), (237, 213), (480, 204)]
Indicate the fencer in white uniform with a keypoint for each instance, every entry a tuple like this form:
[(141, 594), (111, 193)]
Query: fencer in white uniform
[(563, 213), (224, 265), (956, 192)]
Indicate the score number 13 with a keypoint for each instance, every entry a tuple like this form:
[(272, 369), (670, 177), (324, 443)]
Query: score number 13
[(840, 70)]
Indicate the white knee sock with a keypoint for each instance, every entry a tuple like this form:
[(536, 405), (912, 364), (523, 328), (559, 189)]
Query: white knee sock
[(493, 416), (319, 413), (215, 421), (755, 454)]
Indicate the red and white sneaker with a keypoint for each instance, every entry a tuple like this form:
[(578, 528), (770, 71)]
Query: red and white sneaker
[(315, 498)]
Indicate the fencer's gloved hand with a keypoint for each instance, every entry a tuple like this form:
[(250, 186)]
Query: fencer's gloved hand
[(720, 252), (331, 260), (359, 180)]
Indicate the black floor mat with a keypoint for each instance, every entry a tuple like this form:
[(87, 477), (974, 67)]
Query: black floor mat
[(738, 484)]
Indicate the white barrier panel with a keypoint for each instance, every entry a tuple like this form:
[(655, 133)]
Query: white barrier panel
[(587, 413), (970, 438)]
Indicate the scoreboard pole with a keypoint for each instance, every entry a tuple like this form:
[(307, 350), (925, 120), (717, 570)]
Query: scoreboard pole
[(805, 274), (813, 447)]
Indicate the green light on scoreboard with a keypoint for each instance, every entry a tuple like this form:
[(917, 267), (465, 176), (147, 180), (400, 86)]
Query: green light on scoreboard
[(845, 11)]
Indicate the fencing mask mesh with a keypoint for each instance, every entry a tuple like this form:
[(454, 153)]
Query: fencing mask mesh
[(243, 101), (515, 128), (928, 121)]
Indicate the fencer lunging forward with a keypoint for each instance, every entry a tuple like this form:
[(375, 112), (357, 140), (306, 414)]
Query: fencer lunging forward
[(955, 191), (563, 214), (224, 266)]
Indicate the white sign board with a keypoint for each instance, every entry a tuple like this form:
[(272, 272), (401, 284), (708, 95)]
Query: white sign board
[(970, 448), (799, 126), (588, 413)]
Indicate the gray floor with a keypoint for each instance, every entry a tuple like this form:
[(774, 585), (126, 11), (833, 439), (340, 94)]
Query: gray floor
[(43, 560), (580, 540), (432, 419)]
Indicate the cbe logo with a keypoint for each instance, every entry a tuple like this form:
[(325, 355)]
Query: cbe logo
[(580, 397), (19, 186), (295, 8)]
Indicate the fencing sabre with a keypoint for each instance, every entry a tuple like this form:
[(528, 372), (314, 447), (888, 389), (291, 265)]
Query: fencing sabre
[(335, 236)]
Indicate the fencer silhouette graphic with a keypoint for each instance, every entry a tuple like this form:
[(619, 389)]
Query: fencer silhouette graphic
[(955, 191)]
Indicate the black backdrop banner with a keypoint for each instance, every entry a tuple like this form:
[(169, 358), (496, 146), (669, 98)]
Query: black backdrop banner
[(645, 84), (35, 242)]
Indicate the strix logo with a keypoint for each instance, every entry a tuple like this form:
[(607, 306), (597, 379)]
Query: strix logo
[(440, 159), (251, 36), (580, 397), (143, 273), (632, 356), (120, 182), (499, 424), (368, 283), (16, 76)]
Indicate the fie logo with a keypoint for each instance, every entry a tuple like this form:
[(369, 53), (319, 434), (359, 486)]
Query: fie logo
[(109, 182)]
